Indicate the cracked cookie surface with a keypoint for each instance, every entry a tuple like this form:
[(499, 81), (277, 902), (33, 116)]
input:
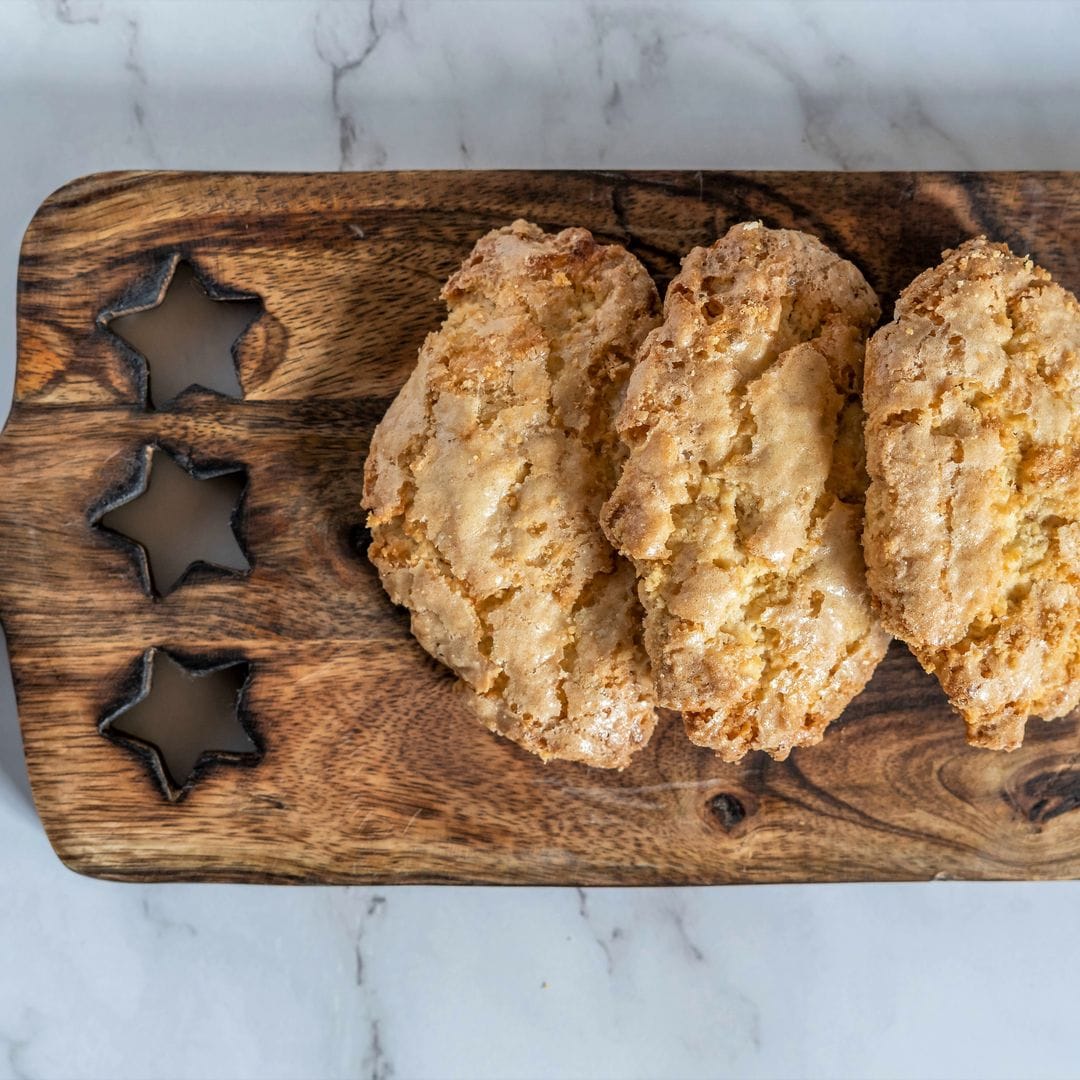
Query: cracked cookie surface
[(973, 447), (741, 500), (485, 480)]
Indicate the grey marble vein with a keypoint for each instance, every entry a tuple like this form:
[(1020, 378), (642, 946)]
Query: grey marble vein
[(375, 1063), (141, 134), (337, 46), (605, 942), (693, 950), (15, 1048), (75, 13), (161, 923)]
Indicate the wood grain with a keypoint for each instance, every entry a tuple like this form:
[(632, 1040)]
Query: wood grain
[(373, 771)]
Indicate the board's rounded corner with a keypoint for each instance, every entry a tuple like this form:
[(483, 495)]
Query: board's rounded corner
[(76, 186), (72, 193), (74, 860)]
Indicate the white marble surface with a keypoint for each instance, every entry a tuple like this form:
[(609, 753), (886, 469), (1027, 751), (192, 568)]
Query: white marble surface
[(101, 980)]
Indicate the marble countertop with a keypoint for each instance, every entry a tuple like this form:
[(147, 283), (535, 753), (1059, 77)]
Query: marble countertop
[(942, 979)]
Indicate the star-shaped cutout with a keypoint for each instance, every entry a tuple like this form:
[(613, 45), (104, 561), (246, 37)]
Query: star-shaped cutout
[(179, 520), (185, 334), (184, 717)]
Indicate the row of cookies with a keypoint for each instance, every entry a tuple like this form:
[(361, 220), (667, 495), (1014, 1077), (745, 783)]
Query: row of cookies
[(718, 444)]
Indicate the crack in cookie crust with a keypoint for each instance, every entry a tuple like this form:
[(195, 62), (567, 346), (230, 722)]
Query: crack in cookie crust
[(973, 446), (741, 500), (485, 480)]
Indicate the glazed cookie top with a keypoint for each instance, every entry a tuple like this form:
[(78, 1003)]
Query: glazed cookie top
[(484, 484), (973, 443), (741, 500)]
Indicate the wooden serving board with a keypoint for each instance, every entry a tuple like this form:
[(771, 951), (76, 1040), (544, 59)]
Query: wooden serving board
[(371, 770)]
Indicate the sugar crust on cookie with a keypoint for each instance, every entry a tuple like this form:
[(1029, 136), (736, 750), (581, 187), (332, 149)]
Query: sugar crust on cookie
[(485, 480), (973, 446), (741, 500)]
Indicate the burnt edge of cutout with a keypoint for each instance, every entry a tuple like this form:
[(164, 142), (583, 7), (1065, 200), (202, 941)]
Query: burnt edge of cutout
[(148, 292), (135, 685), (129, 489)]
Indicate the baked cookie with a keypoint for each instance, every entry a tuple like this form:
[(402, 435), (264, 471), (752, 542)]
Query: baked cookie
[(485, 481), (741, 500), (973, 446)]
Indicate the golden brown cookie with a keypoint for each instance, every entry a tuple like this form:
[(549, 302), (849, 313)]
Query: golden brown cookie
[(973, 446), (741, 500), (484, 484)]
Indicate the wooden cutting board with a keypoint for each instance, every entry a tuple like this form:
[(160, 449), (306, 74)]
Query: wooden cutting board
[(370, 769)]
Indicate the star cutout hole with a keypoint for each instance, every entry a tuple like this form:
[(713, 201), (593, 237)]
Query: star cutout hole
[(186, 337), (183, 718), (179, 520)]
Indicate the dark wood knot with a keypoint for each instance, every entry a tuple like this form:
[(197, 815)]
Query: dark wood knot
[(727, 810), (1047, 795)]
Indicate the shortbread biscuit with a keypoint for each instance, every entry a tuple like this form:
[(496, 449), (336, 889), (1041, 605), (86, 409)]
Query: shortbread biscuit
[(973, 446), (485, 481), (741, 500)]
